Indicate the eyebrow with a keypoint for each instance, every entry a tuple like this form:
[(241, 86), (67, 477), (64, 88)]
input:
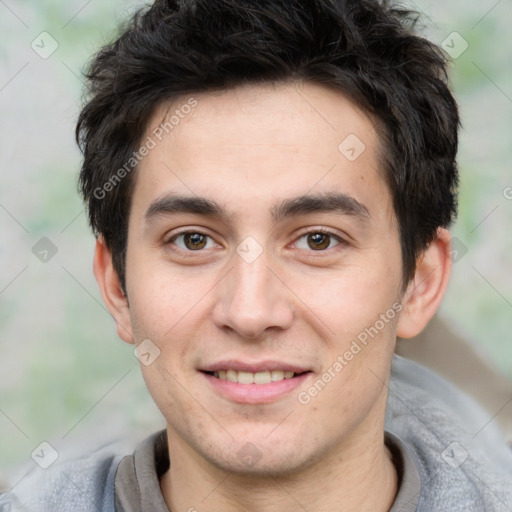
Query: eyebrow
[(336, 202)]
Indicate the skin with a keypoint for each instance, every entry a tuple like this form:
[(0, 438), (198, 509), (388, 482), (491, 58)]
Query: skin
[(247, 149)]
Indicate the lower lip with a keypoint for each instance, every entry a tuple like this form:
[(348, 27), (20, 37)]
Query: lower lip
[(255, 393)]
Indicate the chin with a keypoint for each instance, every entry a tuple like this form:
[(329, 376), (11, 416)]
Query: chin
[(266, 466), (257, 457)]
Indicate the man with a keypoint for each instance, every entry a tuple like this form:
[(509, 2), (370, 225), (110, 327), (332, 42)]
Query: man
[(271, 184)]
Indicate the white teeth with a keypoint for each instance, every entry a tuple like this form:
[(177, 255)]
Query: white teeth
[(262, 378), (256, 378), (245, 377), (277, 375)]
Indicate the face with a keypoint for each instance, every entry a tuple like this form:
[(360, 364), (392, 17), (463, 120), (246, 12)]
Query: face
[(264, 266)]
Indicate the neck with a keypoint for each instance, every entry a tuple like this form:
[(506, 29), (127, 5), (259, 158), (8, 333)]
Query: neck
[(358, 476)]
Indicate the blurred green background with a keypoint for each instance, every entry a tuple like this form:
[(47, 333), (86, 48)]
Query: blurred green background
[(64, 375)]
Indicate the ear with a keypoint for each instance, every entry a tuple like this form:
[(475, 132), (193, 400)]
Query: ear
[(427, 288), (111, 290)]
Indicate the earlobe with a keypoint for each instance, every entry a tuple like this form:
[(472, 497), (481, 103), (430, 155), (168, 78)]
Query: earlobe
[(426, 290), (111, 290)]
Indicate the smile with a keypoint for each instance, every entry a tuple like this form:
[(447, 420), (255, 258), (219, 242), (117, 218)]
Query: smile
[(262, 387), (264, 377)]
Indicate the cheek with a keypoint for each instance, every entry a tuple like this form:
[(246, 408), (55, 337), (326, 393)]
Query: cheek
[(169, 310), (166, 391), (162, 298), (351, 299)]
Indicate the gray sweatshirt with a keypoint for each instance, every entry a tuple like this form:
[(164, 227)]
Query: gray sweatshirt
[(457, 459)]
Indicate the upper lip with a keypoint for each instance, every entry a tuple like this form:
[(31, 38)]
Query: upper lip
[(256, 367)]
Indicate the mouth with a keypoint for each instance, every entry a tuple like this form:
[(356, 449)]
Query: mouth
[(264, 377), (254, 383)]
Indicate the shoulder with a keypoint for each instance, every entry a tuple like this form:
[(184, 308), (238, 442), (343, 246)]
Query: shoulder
[(83, 484), (463, 460)]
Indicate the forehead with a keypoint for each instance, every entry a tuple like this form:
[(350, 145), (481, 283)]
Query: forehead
[(263, 142)]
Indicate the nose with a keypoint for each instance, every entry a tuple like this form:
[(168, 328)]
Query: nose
[(251, 299)]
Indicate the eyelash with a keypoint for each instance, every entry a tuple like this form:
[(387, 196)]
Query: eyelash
[(322, 231)]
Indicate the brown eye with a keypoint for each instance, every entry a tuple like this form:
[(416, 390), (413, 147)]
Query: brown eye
[(191, 241), (318, 241), (194, 241)]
